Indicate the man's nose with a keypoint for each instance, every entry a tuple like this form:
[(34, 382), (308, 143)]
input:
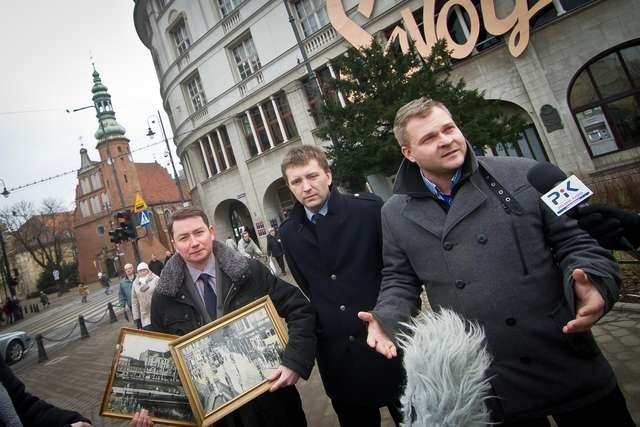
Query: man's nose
[(306, 186)]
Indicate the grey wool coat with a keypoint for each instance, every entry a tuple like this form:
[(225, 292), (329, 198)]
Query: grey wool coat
[(507, 268)]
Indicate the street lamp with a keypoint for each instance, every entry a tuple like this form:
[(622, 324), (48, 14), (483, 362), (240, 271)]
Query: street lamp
[(5, 192), (150, 134)]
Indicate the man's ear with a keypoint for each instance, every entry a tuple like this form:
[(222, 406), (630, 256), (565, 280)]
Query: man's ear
[(406, 152), (330, 177), (213, 233)]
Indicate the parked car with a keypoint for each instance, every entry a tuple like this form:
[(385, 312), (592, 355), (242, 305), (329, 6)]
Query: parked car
[(13, 345)]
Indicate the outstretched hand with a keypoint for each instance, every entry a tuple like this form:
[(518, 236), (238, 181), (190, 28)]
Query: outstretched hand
[(589, 304), (376, 337), (283, 377)]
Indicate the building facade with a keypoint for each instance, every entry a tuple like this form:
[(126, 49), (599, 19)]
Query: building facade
[(234, 78), (112, 184)]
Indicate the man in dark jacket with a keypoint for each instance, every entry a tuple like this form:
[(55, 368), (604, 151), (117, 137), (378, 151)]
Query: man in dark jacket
[(28, 409), (155, 265), (208, 280), (476, 234), (274, 249), (333, 245)]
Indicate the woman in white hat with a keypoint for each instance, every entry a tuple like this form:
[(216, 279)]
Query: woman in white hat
[(141, 293)]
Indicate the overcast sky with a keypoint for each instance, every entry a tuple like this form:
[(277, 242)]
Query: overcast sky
[(46, 65)]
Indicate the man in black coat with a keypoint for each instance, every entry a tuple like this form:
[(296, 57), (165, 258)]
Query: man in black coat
[(208, 280), (155, 265), (274, 249), (333, 245)]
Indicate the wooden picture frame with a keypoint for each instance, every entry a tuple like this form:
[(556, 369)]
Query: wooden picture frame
[(143, 376), (224, 365)]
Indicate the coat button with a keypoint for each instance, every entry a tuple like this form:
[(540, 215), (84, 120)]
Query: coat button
[(186, 316), (181, 296), (351, 338), (460, 284), (343, 308), (447, 246), (333, 277), (510, 321), (482, 239)]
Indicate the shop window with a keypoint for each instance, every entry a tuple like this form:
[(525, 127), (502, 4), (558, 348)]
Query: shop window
[(604, 97)]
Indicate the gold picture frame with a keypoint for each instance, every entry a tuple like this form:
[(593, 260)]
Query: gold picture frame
[(224, 365), (144, 376)]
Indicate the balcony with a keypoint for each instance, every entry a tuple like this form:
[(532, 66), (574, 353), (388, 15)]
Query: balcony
[(319, 39), (250, 83), (229, 22)]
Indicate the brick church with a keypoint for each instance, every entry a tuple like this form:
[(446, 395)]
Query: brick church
[(109, 185)]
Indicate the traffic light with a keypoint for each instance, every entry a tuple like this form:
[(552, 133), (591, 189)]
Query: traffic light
[(116, 235), (127, 224)]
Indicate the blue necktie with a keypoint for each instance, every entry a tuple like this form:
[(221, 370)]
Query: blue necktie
[(316, 217), (210, 299)]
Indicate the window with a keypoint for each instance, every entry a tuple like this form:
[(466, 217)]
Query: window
[(528, 146), (84, 209), (206, 148), (285, 114), (248, 135), (96, 182), (85, 185), (105, 200), (226, 142), (314, 98), (246, 58), (259, 127), (228, 6), (96, 207), (311, 14), (194, 89), (604, 97), (180, 37)]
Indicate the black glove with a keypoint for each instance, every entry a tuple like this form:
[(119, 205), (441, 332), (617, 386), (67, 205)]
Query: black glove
[(608, 225)]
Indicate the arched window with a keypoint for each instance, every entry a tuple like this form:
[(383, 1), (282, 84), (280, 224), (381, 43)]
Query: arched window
[(604, 97)]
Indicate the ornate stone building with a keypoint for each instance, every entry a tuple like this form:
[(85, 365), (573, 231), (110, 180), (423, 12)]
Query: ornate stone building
[(233, 77)]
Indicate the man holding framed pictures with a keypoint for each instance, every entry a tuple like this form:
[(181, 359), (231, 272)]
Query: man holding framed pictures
[(208, 280)]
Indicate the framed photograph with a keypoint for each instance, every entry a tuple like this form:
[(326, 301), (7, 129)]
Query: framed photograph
[(144, 376), (224, 364)]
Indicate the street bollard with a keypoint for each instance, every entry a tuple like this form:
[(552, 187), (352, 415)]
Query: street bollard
[(42, 354), (112, 314), (126, 315), (37, 308), (84, 333)]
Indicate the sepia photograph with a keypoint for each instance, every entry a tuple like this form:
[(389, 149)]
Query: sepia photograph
[(144, 376), (225, 364)]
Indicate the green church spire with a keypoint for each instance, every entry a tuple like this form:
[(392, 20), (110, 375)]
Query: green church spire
[(104, 111)]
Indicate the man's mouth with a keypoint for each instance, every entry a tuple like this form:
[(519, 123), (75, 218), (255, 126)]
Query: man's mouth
[(450, 153)]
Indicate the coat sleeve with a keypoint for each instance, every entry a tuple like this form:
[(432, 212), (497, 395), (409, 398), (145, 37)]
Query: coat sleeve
[(399, 296), (574, 248), (33, 411), (295, 308), (122, 297), (135, 303)]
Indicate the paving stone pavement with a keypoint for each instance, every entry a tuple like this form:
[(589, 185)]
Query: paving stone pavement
[(75, 377)]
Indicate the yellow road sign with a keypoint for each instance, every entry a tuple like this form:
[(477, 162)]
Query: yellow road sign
[(139, 204)]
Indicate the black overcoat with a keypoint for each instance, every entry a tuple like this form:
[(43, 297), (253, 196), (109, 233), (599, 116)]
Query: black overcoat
[(337, 263)]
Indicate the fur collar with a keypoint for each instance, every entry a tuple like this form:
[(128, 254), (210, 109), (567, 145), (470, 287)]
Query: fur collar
[(230, 261)]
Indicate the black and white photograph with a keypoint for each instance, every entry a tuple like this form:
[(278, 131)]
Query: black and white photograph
[(144, 376), (226, 364)]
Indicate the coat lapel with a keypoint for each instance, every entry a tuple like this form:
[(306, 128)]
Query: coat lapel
[(426, 213), (469, 198)]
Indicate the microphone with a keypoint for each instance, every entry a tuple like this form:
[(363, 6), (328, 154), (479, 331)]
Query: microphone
[(564, 195)]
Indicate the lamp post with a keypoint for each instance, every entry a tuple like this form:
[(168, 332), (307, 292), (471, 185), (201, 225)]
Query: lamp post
[(150, 134)]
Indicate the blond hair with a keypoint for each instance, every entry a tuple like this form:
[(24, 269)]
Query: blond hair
[(302, 155), (421, 107)]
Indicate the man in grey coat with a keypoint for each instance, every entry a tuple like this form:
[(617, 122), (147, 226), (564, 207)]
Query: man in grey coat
[(475, 234)]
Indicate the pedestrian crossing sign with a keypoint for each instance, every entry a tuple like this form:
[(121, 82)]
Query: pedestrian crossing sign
[(144, 218)]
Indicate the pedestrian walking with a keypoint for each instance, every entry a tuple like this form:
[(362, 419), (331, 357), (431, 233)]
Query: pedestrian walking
[(247, 247), (44, 299), (83, 291), (274, 249), (125, 286), (155, 265), (104, 281), (141, 294)]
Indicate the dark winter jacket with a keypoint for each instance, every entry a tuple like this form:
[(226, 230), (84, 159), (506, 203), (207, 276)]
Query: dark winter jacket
[(501, 258), (34, 412), (274, 246), (176, 309), (337, 262)]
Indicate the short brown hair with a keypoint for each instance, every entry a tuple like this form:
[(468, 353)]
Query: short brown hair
[(300, 156), (184, 213), (420, 107)]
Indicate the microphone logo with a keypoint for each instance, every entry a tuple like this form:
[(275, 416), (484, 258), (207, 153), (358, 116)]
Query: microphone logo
[(567, 194)]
